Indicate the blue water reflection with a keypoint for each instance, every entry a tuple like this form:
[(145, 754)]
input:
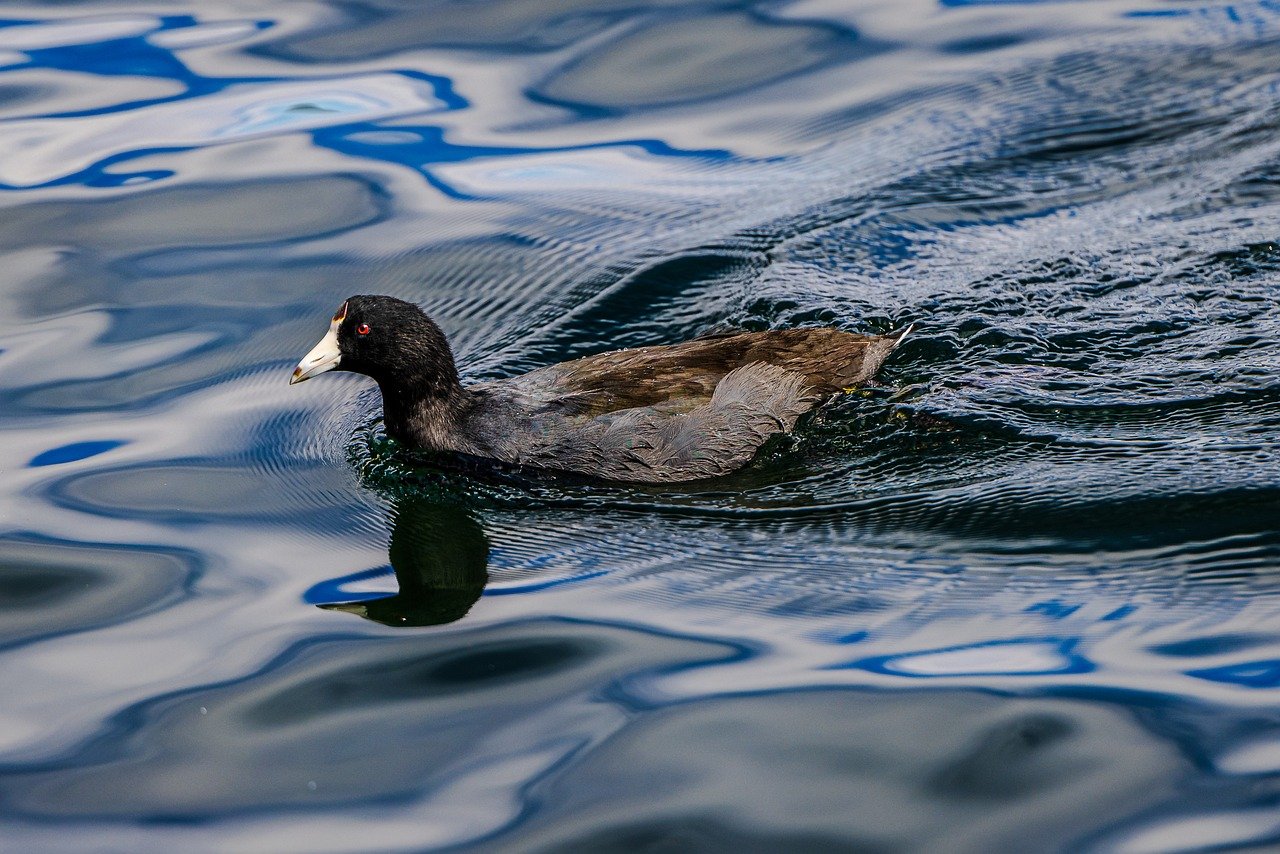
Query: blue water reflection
[(74, 452), (1026, 590), (1015, 657)]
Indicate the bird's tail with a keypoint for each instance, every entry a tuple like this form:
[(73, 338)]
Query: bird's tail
[(899, 336), (876, 355)]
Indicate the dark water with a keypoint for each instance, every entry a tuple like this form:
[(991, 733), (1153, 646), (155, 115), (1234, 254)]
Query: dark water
[(1024, 597)]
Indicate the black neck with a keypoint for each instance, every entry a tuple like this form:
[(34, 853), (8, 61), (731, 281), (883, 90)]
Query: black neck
[(427, 414)]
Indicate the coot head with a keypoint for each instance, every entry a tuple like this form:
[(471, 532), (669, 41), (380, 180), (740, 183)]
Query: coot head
[(385, 338)]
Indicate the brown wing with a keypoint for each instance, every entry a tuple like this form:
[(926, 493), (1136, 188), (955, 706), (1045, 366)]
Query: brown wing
[(829, 359)]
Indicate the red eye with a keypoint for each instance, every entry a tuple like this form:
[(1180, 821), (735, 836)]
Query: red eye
[(362, 329)]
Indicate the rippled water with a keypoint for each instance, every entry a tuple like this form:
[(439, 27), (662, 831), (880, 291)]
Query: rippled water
[(1024, 596)]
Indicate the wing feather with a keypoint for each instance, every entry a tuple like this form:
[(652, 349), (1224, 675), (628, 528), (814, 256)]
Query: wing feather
[(747, 406)]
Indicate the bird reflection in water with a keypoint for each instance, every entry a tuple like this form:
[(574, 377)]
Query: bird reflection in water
[(440, 555)]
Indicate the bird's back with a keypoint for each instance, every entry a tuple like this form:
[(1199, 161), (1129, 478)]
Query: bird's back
[(672, 413), (830, 360)]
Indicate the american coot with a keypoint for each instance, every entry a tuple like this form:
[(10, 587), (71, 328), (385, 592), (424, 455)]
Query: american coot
[(651, 414)]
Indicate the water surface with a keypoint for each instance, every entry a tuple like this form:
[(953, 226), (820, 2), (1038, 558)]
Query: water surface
[(1024, 596)]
